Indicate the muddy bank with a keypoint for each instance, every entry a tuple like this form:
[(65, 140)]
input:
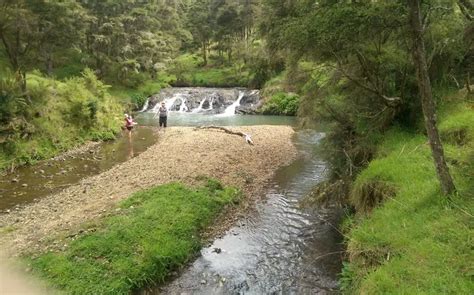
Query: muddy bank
[(181, 154)]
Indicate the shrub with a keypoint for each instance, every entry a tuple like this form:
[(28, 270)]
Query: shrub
[(281, 103), (53, 116)]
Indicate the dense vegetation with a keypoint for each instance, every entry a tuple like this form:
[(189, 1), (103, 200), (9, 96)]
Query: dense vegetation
[(351, 64), (54, 116), (153, 233), (363, 66)]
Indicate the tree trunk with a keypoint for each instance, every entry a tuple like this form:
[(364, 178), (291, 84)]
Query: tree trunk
[(204, 53), (427, 103)]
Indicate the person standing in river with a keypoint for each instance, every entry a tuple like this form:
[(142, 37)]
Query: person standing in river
[(129, 124), (163, 115)]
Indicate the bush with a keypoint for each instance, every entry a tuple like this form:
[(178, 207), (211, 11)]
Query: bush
[(281, 103), (54, 116)]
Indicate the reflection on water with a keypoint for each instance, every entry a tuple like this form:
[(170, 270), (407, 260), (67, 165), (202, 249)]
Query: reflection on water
[(32, 182)]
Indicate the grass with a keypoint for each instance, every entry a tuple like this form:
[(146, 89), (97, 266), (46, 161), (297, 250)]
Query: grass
[(154, 232), (415, 241)]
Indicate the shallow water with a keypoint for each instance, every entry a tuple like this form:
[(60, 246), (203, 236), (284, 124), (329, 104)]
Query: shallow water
[(198, 119), (29, 183), (278, 248)]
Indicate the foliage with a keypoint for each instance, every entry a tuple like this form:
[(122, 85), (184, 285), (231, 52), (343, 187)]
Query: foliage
[(153, 232), (416, 241), (53, 116), (281, 103), (188, 72), (353, 59)]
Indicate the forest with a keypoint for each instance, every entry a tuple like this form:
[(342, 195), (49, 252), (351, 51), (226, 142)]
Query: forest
[(390, 80)]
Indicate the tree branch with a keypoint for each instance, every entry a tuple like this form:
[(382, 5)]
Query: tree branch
[(247, 137), (389, 101), (466, 8)]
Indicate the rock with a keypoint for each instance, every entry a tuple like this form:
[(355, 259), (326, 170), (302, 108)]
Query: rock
[(217, 250), (41, 171), (15, 180), (24, 185), (203, 282)]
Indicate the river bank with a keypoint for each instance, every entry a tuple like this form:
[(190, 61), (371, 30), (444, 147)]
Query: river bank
[(181, 154), (406, 237)]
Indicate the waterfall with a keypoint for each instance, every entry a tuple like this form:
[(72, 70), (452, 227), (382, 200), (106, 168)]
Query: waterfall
[(183, 107), (199, 108), (230, 110), (209, 101), (145, 106), (169, 102)]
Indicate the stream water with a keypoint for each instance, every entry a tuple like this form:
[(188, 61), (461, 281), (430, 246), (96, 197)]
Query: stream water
[(29, 183)]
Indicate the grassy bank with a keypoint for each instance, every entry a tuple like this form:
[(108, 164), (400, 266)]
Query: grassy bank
[(148, 235), (407, 237), (53, 116)]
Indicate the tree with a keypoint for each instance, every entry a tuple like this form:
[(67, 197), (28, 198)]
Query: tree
[(427, 103), (17, 23), (200, 25)]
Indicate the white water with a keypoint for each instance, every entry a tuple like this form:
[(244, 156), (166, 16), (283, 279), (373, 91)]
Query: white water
[(212, 102), (230, 110), (199, 108), (145, 106), (169, 102), (183, 107)]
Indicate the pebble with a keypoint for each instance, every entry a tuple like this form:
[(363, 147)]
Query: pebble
[(15, 180), (203, 282), (24, 185)]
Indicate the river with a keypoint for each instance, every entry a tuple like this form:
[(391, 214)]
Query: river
[(278, 248)]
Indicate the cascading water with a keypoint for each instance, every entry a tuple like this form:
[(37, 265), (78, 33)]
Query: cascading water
[(207, 101), (199, 108), (230, 110), (183, 107), (169, 102), (145, 106)]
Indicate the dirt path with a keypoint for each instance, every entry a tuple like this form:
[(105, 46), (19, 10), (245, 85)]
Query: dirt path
[(181, 154)]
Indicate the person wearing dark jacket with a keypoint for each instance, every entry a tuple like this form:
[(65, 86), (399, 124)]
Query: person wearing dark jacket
[(163, 114)]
